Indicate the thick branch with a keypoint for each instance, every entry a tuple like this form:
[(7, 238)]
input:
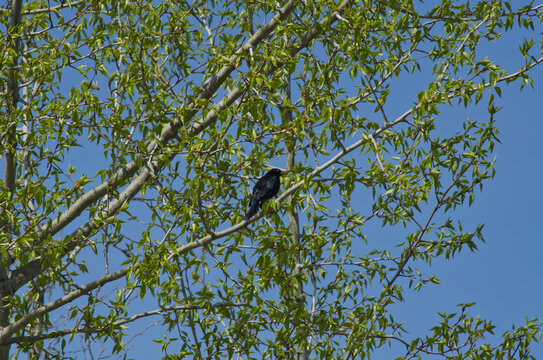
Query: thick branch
[(9, 145), (86, 330), (10, 142), (294, 225), (9, 330)]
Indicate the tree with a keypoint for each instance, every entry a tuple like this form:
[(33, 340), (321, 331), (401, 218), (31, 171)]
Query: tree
[(177, 108)]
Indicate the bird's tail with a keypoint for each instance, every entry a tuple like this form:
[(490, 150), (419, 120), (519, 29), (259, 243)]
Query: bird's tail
[(253, 209)]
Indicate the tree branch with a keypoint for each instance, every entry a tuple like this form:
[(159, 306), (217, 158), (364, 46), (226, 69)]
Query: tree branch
[(82, 330), (9, 330), (10, 144)]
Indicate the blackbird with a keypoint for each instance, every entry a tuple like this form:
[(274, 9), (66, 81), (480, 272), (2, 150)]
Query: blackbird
[(265, 188)]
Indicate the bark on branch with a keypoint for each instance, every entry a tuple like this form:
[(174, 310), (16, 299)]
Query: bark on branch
[(7, 285)]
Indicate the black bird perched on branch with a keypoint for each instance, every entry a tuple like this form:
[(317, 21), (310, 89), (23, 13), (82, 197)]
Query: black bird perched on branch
[(265, 188)]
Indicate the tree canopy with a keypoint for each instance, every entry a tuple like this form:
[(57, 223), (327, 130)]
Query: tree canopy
[(134, 131)]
